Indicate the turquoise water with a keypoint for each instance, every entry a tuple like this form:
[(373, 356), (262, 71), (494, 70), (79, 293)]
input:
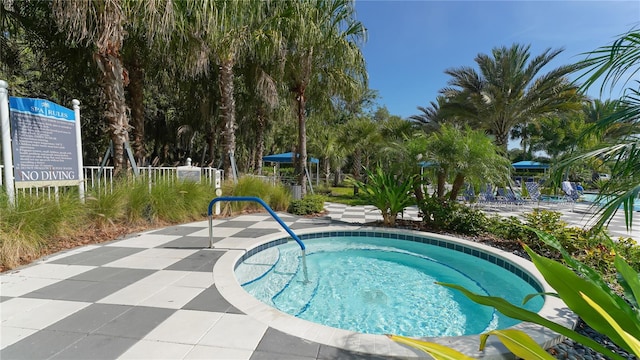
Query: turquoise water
[(382, 286), (592, 198)]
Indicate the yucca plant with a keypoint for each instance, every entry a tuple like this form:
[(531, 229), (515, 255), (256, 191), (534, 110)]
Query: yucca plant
[(387, 192), (585, 293)]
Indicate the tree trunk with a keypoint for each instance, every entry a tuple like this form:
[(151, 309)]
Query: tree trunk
[(442, 178), (228, 109), (357, 164), (262, 128), (136, 100), (327, 170), (417, 189), (458, 182), (302, 142), (114, 79)]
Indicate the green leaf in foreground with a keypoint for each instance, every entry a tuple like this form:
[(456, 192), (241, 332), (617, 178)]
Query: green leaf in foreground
[(519, 313), (519, 343), (439, 352), (569, 285), (630, 340)]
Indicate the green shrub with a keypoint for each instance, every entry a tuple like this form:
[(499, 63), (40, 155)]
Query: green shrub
[(279, 198), (250, 186), (310, 204), (388, 192), (441, 214)]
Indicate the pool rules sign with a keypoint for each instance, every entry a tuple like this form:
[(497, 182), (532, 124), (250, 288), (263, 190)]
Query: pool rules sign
[(45, 142)]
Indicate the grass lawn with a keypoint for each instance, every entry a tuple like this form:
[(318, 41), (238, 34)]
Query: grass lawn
[(344, 195)]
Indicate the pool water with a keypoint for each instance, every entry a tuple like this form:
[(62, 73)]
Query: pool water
[(382, 286), (592, 199)]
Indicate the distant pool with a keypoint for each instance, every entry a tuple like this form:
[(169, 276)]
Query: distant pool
[(592, 199)]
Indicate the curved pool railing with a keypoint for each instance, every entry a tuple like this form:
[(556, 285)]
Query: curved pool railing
[(259, 201)]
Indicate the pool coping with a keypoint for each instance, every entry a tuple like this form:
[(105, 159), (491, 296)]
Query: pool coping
[(553, 309)]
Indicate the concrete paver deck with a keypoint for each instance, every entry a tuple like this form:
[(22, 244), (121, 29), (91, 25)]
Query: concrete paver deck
[(152, 295)]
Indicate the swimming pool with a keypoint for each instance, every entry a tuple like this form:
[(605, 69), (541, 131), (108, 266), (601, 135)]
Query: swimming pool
[(377, 283), (237, 250), (592, 199)]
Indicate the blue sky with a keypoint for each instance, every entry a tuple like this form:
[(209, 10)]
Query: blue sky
[(411, 43)]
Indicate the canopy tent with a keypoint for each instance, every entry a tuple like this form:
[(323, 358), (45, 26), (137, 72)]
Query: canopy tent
[(286, 158), (529, 165)]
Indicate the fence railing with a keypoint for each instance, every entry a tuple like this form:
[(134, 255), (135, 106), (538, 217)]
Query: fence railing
[(102, 179)]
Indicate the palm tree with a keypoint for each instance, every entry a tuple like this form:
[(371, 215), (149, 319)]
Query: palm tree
[(509, 91), (430, 117), (464, 154), (226, 33), (322, 57), (100, 25), (615, 64)]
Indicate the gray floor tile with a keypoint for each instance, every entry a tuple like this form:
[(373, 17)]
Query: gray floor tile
[(277, 342), (74, 290), (202, 260), (90, 318), (41, 345), (332, 353), (135, 323), (97, 347), (112, 274), (211, 300), (302, 226), (262, 355), (177, 230), (190, 242), (237, 224), (254, 233), (97, 257)]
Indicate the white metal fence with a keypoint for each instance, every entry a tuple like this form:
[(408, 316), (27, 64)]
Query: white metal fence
[(98, 178)]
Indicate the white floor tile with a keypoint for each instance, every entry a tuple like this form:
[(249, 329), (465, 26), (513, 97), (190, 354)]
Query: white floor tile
[(133, 294), (143, 262), (18, 285), (223, 232), (53, 271), (163, 278), (156, 350), (44, 315), (197, 279), (11, 335), (171, 297), (144, 241), (18, 306), (235, 331), (184, 326)]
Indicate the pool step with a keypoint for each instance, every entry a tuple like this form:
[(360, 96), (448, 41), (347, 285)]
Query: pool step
[(296, 296), (257, 266), (273, 281)]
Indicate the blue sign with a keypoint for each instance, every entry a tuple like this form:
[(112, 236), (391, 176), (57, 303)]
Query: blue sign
[(41, 108), (44, 143)]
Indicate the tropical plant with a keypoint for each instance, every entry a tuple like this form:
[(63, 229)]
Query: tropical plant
[(389, 193), (464, 154), (509, 91), (585, 293), (615, 64), (322, 58)]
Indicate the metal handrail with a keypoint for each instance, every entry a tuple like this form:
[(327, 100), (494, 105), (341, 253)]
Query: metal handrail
[(261, 202)]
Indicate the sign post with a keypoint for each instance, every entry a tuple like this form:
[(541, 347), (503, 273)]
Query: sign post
[(76, 112), (6, 142)]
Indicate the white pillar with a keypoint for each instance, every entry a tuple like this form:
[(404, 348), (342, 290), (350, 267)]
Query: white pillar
[(76, 111), (6, 142)]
